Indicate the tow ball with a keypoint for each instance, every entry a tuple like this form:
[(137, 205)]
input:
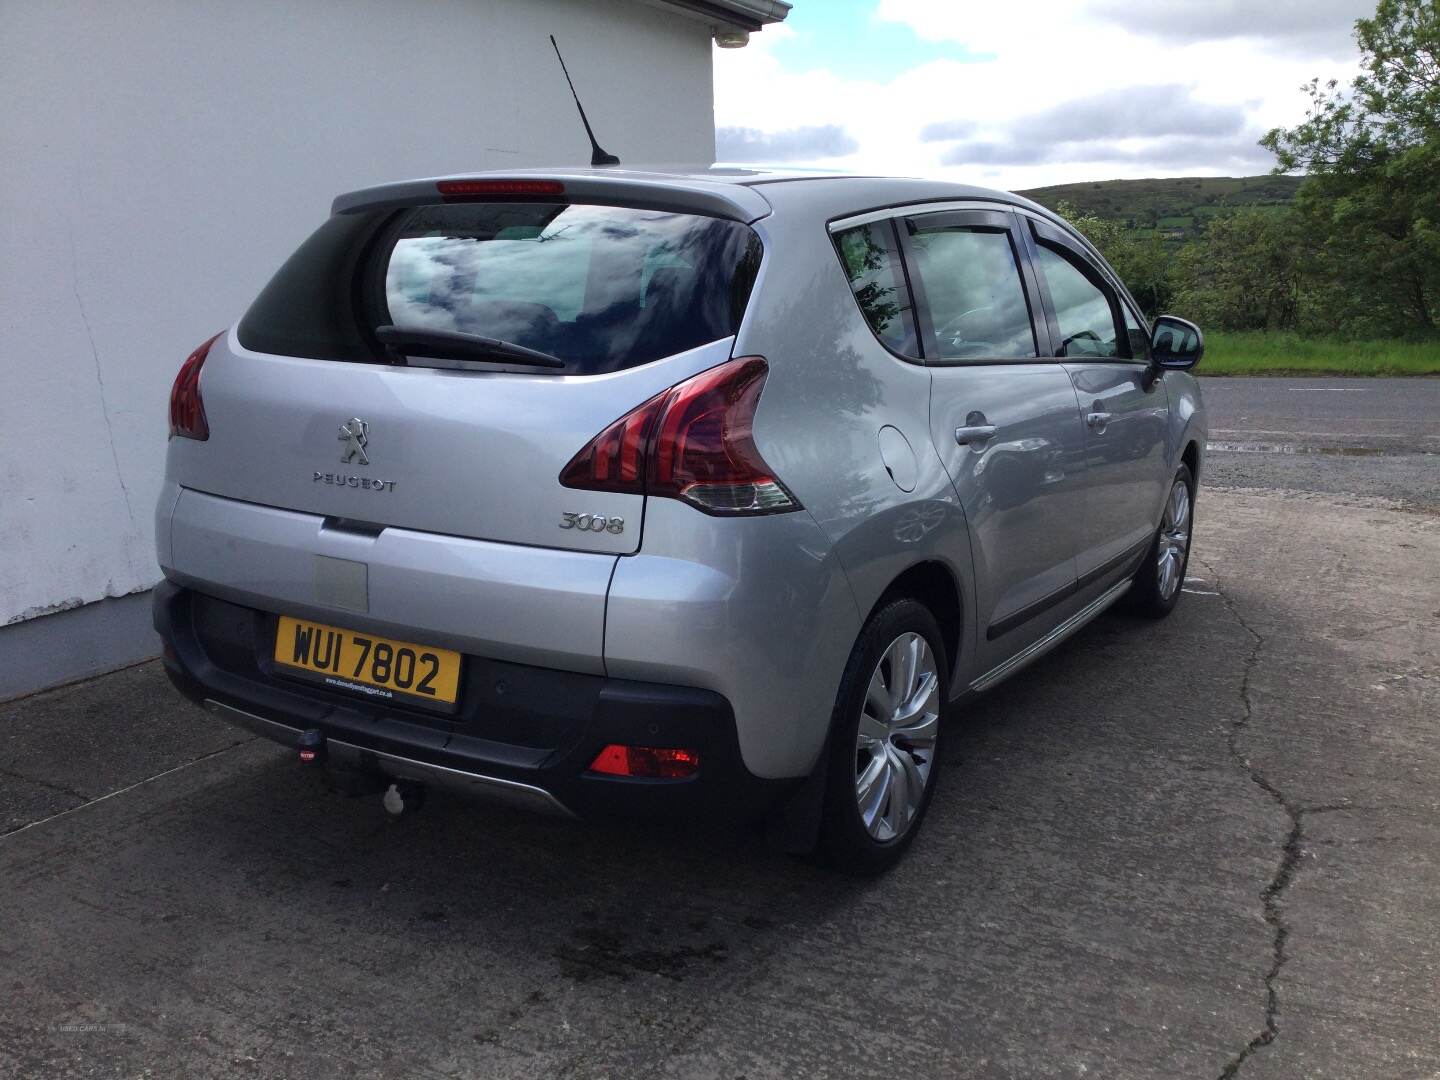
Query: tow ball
[(399, 797), (403, 798)]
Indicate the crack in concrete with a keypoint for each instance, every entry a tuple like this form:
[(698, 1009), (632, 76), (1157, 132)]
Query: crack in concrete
[(59, 789), (1291, 852), (17, 830)]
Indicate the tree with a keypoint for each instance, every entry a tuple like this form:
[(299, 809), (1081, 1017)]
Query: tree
[(1245, 273), (1142, 261), (1372, 196)]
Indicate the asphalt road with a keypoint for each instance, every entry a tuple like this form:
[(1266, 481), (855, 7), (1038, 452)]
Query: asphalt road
[(1374, 437), (1203, 847)]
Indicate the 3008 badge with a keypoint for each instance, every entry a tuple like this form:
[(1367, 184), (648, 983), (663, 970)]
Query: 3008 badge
[(592, 522)]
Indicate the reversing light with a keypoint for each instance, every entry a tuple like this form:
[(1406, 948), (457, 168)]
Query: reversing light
[(499, 187), (693, 442), (187, 409), (650, 762)]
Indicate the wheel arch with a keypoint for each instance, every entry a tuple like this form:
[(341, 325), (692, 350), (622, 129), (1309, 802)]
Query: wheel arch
[(933, 584), (1191, 457)]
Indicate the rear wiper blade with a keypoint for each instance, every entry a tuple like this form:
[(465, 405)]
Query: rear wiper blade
[(452, 345)]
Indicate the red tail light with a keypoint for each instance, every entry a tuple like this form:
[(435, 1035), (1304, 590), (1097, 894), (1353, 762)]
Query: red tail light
[(692, 442), (187, 411), (655, 763)]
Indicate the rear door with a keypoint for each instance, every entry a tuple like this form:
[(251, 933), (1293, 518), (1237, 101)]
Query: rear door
[(1125, 408), (309, 411), (1004, 420)]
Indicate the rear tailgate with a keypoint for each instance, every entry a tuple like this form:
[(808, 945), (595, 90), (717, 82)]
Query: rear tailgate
[(307, 410)]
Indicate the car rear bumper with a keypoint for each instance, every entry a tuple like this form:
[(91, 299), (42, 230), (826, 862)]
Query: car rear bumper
[(523, 735), (754, 609)]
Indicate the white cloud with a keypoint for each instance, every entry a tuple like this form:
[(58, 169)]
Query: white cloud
[(1322, 27), (1072, 94), (793, 144)]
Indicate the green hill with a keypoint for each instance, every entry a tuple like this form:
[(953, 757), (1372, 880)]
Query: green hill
[(1177, 206)]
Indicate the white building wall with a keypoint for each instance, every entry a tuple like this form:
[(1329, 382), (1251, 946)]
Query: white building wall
[(160, 158)]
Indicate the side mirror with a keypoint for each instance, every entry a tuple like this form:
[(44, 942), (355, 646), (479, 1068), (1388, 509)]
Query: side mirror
[(1176, 344)]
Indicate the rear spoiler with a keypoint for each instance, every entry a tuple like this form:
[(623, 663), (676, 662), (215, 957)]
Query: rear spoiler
[(656, 191)]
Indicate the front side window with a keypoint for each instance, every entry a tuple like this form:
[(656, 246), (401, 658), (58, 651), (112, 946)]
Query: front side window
[(1087, 321), (971, 283), (872, 266)]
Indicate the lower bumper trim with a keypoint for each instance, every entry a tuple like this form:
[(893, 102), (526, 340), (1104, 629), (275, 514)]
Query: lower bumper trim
[(346, 755)]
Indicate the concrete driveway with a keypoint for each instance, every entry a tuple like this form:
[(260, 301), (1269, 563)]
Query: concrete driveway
[(1205, 847)]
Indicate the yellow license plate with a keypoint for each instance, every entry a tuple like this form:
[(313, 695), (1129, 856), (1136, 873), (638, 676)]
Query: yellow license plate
[(377, 667)]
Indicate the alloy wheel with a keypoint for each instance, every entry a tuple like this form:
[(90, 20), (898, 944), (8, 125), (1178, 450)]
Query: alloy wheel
[(895, 747), (1174, 540)]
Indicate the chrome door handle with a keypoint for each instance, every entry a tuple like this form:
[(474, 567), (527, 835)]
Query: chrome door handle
[(1098, 420), (975, 434)]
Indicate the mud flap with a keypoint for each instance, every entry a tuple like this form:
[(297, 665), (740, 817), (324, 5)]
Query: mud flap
[(794, 827)]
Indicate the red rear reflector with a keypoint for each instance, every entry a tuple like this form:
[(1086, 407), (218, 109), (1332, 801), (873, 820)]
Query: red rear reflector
[(500, 187), (651, 762), (187, 409), (692, 442)]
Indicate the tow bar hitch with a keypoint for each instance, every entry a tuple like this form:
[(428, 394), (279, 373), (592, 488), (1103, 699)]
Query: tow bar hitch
[(403, 797)]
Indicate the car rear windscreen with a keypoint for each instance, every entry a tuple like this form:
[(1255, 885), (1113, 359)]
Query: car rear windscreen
[(601, 287)]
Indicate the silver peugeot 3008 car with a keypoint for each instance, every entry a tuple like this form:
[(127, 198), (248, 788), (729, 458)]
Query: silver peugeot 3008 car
[(601, 491)]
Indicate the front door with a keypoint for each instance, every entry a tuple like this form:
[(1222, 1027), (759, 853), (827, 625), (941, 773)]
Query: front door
[(1005, 422), (1124, 407)]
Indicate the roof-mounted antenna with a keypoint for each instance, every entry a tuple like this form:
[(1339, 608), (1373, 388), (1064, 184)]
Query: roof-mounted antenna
[(597, 156)]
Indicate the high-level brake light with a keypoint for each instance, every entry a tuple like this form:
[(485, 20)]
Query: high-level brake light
[(464, 188)]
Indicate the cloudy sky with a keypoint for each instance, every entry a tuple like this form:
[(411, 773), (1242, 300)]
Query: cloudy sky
[(1028, 92)]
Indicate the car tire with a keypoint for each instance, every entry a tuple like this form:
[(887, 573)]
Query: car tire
[(1161, 576), (884, 738)]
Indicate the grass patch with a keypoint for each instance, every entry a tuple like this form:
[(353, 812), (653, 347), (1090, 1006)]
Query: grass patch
[(1291, 354)]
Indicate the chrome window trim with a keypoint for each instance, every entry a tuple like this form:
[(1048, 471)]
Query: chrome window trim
[(912, 209)]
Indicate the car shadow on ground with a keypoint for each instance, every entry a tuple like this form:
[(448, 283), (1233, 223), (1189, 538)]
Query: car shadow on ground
[(601, 900)]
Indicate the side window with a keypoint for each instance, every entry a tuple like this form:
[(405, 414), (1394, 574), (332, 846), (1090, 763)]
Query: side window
[(971, 284), (1138, 335), (1082, 308), (877, 279)]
